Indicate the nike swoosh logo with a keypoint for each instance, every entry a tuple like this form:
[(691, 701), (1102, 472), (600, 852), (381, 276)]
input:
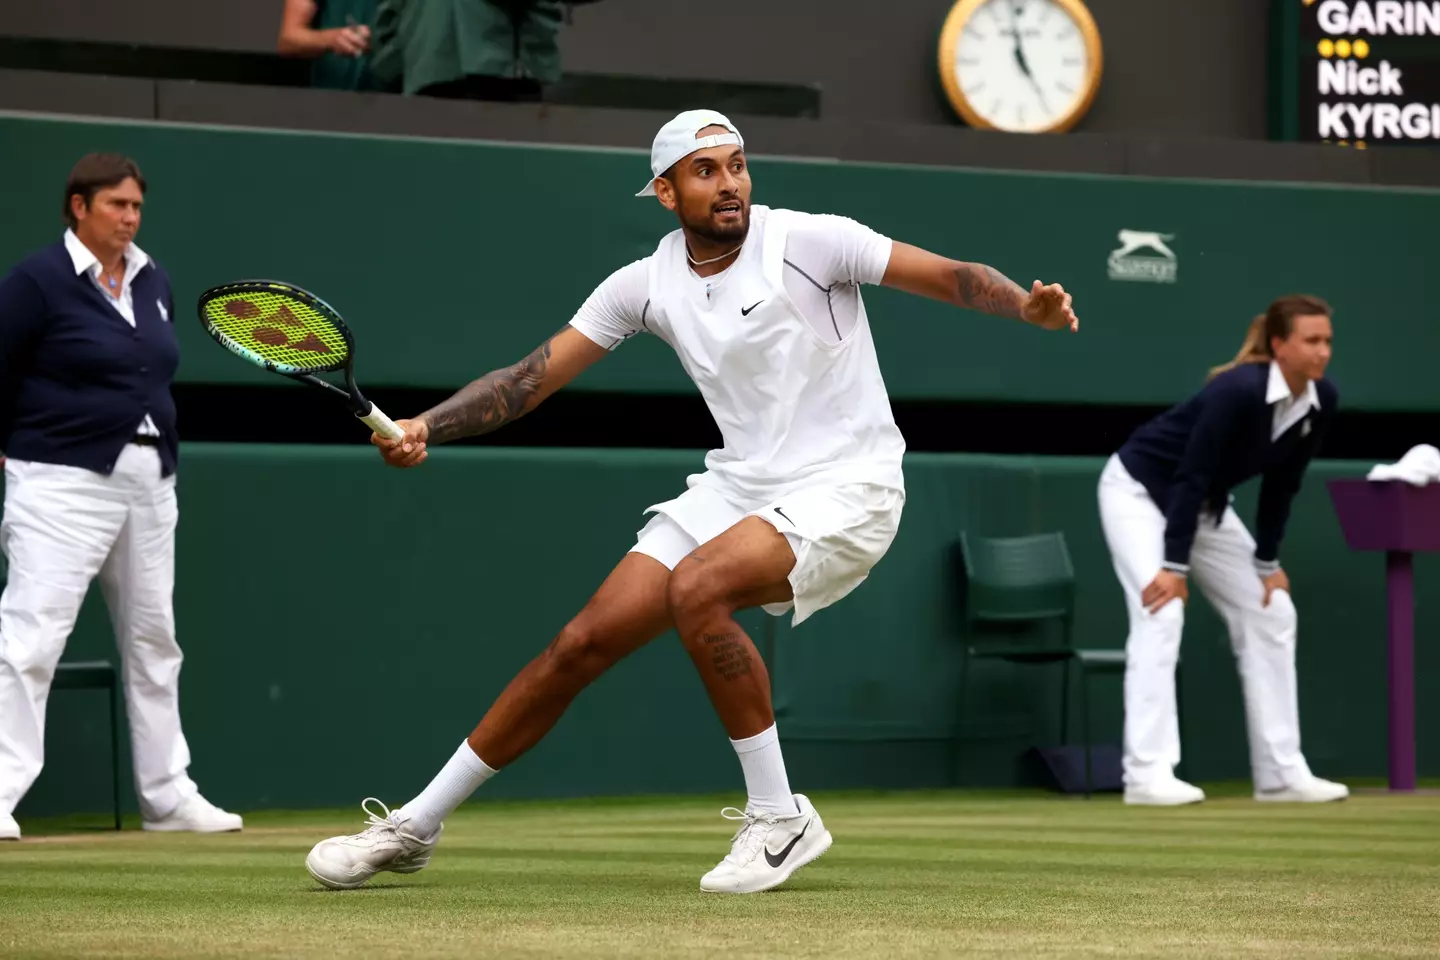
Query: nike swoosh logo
[(745, 311), (787, 519), (775, 859)]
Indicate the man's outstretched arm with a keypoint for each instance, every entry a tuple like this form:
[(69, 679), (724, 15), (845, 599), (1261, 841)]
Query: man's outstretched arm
[(496, 399), (504, 395), (976, 286)]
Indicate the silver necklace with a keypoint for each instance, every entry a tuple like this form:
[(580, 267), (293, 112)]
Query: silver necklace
[(701, 263), (110, 279)]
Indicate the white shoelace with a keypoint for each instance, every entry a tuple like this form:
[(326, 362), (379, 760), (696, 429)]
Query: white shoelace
[(748, 840), (386, 820), (376, 819)]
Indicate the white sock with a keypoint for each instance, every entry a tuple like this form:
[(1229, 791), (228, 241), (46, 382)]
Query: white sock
[(459, 778), (764, 769)]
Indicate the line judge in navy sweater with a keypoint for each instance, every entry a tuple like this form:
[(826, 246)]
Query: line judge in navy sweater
[(1165, 507), (87, 354)]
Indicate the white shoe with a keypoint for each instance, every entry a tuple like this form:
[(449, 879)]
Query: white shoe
[(767, 849), (1313, 790), (197, 815), (1169, 792), (9, 829), (344, 863)]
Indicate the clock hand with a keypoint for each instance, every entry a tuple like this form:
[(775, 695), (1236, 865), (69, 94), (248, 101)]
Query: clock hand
[(1020, 54), (1015, 32), (1041, 94)]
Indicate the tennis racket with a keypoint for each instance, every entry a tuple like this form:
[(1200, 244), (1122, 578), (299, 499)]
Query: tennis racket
[(291, 332)]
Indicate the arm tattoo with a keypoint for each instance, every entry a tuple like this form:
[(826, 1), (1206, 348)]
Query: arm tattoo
[(728, 654), (492, 401), (986, 289)]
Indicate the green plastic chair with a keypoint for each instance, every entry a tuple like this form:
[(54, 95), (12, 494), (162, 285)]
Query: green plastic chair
[(1030, 580), (97, 675)]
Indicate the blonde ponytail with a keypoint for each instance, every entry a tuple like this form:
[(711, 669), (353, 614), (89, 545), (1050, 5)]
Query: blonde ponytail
[(1255, 349)]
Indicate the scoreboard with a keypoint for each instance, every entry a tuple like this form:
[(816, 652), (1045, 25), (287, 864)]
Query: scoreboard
[(1357, 72)]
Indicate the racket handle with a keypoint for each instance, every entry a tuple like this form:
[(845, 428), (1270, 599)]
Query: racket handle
[(381, 424)]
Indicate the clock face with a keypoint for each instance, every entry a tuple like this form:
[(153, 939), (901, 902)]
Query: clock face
[(1022, 65)]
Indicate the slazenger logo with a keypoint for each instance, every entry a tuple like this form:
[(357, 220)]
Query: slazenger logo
[(1143, 255)]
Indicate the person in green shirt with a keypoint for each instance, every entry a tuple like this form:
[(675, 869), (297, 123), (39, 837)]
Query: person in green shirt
[(336, 35), (472, 49)]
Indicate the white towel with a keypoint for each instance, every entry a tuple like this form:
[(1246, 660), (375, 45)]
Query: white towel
[(1420, 466)]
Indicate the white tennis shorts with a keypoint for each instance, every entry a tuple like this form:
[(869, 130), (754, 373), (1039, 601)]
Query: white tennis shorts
[(838, 532)]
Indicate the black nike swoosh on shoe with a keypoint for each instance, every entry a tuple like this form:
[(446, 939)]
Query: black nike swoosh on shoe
[(775, 859), (745, 311)]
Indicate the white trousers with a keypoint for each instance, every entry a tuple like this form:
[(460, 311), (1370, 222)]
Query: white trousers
[(62, 526), (1263, 638)]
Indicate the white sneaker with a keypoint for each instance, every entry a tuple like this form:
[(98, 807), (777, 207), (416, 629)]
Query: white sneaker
[(1313, 790), (197, 815), (344, 863), (9, 829), (767, 849), (1168, 792)]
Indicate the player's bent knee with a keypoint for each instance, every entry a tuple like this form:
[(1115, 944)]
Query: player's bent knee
[(691, 594), (579, 650)]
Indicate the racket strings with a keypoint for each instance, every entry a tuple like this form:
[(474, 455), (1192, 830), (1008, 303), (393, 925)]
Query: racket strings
[(279, 328)]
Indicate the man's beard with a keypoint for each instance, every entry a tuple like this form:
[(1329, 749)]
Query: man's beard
[(707, 229)]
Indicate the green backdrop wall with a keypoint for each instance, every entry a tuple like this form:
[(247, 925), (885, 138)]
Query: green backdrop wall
[(451, 258), (349, 659)]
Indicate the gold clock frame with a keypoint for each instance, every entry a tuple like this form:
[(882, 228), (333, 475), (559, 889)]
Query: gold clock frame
[(955, 23)]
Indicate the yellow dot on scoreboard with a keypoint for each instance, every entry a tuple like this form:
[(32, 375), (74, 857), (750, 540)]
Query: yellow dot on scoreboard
[(1342, 48), (1361, 48), (1359, 144), (1327, 47)]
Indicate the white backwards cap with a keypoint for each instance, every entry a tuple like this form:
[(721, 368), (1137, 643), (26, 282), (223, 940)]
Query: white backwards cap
[(676, 141)]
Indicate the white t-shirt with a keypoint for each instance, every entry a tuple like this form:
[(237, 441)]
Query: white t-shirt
[(779, 346), (826, 258)]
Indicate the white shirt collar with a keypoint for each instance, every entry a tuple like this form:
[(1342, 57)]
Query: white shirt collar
[(1278, 390), (84, 260)]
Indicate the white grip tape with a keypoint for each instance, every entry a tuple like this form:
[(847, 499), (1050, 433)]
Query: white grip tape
[(381, 424)]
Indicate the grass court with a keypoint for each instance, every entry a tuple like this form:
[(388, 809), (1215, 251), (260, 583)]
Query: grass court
[(953, 874)]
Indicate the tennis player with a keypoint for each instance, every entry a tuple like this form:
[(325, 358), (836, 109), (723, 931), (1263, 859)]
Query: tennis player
[(1164, 504), (763, 308)]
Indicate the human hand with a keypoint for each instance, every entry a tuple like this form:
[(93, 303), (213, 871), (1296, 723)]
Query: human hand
[(351, 41), (1048, 306), (409, 450), (1166, 586), (1276, 581)]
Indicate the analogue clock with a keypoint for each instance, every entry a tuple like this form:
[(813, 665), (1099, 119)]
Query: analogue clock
[(1024, 66)]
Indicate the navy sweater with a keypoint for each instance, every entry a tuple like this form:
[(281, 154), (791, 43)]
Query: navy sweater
[(1190, 457), (76, 380)]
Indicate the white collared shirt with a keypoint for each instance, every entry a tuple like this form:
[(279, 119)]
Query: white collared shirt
[(89, 264), (1289, 409)]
